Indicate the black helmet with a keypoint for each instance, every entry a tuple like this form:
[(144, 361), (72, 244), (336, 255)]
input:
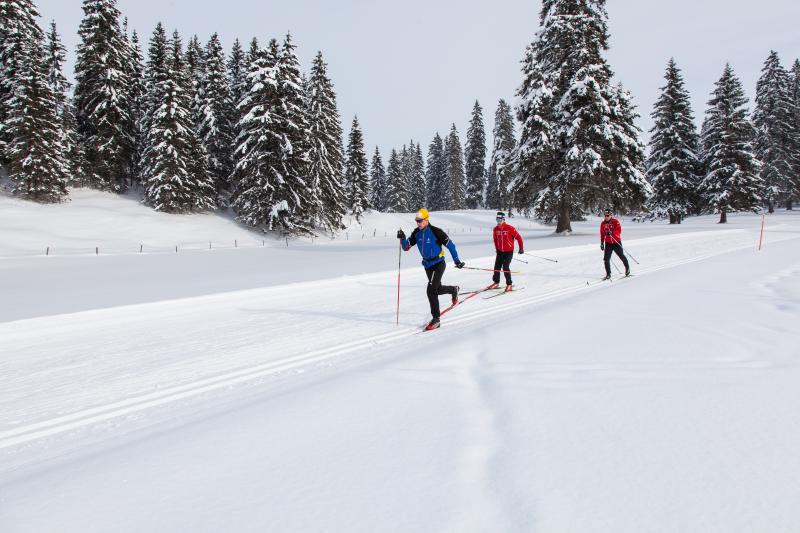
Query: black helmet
[(607, 212)]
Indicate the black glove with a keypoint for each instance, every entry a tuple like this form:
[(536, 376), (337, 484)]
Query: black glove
[(602, 246), (400, 234), (460, 264), (521, 251)]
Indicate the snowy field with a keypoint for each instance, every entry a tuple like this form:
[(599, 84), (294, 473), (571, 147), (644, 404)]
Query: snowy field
[(266, 387)]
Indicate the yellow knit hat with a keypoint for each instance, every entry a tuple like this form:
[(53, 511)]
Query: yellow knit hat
[(422, 214)]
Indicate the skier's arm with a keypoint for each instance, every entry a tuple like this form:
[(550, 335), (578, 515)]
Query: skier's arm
[(519, 241), (444, 240), (411, 241)]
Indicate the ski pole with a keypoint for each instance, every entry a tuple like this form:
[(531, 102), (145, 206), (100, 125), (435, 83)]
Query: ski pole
[(520, 260), (545, 258), (491, 270), (399, 258), (625, 250)]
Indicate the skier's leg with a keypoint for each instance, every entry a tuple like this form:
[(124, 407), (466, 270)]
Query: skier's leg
[(498, 264), (607, 258), (621, 254), (445, 289), (434, 285), (507, 256)]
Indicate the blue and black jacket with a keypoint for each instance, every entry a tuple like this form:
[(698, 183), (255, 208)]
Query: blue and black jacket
[(431, 243)]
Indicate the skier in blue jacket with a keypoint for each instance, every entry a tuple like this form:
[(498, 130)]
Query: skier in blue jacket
[(431, 242)]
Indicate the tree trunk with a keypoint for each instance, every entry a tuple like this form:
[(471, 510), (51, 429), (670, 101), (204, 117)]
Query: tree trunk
[(789, 204), (672, 218), (770, 208), (723, 216), (563, 220)]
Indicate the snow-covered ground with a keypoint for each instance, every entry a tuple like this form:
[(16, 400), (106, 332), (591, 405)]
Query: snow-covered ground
[(267, 387)]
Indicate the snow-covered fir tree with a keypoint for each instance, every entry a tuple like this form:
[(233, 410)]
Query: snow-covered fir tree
[(102, 97), (35, 152), (296, 191), (455, 170), (501, 164), (673, 164), (326, 171), (396, 187), (195, 58), (439, 193), (475, 154), (258, 145), (173, 161), (138, 99), (270, 157), (776, 132), (731, 181), (625, 186), (357, 174), (215, 126), (56, 56), (418, 193), (18, 25), (378, 182), (405, 166), (237, 82), (575, 125), (794, 97)]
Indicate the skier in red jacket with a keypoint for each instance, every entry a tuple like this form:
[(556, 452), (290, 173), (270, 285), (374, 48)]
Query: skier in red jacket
[(611, 240), (504, 236)]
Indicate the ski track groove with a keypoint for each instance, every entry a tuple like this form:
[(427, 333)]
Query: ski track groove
[(95, 415)]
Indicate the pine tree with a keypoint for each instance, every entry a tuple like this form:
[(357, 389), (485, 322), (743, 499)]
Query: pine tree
[(405, 169), (439, 194), (215, 128), (102, 98), (258, 145), (576, 128), (237, 82), (475, 154), (18, 26), (794, 97), (418, 194), (455, 170), (326, 161), (501, 165), (173, 160), (673, 164), (731, 182), (138, 99), (378, 182), (775, 132), (356, 172), (396, 187), (35, 151), (195, 59), (59, 86), (296, 191), (270, 151)]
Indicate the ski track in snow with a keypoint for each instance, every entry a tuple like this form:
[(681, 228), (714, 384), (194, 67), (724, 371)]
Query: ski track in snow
[(105, 364)]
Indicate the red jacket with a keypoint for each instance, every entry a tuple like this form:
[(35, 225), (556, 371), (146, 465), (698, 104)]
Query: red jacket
[(504, 235), (611, 231)]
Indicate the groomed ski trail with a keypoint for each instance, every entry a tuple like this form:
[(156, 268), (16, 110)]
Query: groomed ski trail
[(49, 415)]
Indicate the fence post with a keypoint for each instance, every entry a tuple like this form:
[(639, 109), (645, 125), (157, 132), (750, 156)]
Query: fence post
[(209, 245), (96, 250), (140, 248), (176, 248), (287, 242), (47, 252), (235, 243)]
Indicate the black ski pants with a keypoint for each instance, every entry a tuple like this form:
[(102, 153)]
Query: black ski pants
[(435, 287), (615, 247), (503, 262)]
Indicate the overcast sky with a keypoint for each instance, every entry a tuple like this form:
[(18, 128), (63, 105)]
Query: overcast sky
[(409, 69)]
